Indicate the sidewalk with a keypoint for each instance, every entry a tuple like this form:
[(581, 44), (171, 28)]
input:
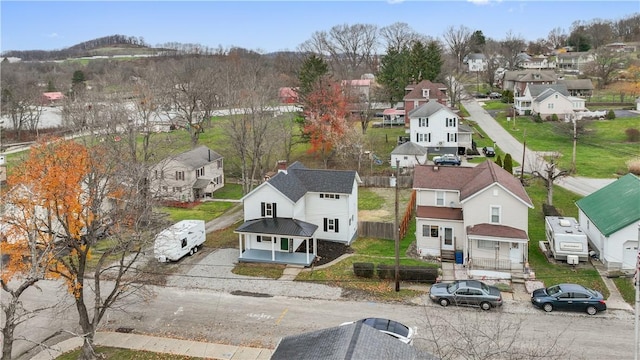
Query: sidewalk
[(161, 345), (614, 301)]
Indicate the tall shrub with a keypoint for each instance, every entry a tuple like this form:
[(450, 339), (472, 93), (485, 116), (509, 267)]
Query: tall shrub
[(499, 160), (508, 163)]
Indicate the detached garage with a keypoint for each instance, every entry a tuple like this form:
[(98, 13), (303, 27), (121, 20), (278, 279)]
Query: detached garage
[(611, 219)]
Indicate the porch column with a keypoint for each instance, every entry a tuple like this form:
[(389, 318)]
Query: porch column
[(273, 248), (240, 244), (307, 242), (315, 246)]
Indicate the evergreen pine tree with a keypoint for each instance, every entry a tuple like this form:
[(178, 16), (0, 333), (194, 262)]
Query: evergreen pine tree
[(508, 163), (499, 161)]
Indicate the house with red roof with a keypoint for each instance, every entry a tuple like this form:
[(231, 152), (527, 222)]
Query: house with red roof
[(421, 93), (51, 98), (288, 95), (476, 216)]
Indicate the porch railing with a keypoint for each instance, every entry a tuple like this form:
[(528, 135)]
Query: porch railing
[(494, 264)]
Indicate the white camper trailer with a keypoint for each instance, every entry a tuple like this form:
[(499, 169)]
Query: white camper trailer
[(178, 240), (566, 240)]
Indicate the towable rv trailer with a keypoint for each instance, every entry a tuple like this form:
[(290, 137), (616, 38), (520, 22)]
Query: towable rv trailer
[(178, 240), (566, 240)]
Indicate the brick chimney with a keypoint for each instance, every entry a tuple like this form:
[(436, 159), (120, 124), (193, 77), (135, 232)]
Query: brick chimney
[(282, 166)]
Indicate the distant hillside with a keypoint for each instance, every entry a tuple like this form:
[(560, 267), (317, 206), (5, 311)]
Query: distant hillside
[(104, 46)]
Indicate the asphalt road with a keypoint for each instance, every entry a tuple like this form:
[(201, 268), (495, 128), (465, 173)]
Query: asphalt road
[(260, 321), (532, 161)]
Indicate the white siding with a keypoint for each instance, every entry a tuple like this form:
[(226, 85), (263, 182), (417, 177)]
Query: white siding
[(514, 213), (252, 203), (437, 130)]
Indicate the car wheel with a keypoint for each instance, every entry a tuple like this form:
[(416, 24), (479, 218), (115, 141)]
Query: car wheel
[(485, 306), (444, 302), (547, 307), (591, 310)]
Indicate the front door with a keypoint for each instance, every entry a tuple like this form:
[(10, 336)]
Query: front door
[(515, 253), (447, 239), (284, 244)]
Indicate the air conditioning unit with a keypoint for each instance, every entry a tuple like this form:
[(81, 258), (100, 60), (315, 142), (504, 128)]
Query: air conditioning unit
[(572, 259)]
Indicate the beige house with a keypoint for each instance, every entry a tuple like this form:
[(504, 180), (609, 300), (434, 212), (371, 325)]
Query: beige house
[(190, 176), (477, 216)]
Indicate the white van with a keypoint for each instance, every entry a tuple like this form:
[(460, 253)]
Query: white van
[(178, 240), (566, 240)]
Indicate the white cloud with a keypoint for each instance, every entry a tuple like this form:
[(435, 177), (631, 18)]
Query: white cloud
[(395, 1), (52, 35)]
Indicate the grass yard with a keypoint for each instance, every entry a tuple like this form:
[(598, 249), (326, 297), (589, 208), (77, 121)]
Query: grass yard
[(602, 152), (551, 273), (206, 211), (109, 353), (626, 288)]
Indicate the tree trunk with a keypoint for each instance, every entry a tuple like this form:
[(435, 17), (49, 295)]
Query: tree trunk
[(550, 192), (8, 329), (87, 352)]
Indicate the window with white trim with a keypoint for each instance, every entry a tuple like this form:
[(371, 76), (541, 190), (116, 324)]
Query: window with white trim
[(440, 198), (486, 244), (495, 214), (423, 122)]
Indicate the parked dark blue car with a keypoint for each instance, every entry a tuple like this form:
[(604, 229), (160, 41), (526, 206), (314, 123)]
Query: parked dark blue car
[(569, 297)]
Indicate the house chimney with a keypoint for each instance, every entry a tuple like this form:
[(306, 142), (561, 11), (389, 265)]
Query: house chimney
[(282, 166), (209, 155), (435, 168)]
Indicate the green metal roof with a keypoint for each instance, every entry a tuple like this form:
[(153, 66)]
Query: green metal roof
[(615, 206)]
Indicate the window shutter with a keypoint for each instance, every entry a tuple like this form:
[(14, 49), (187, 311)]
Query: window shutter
[(325, 224), (262, 209), (275, 213), (337, 230)]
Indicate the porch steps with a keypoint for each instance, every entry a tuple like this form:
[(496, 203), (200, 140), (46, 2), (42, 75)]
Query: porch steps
[(448, 256), (517, 277)]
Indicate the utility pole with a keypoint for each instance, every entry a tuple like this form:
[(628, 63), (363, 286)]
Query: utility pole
[(575, 142), (524, 148), (397, 228)]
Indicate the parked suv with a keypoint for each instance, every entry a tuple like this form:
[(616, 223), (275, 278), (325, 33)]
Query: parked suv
[(488, 151), (447, 159)]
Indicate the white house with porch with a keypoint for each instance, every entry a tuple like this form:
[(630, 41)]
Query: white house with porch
[(286, 216), (437, 128), (548, 99), (480, 213)]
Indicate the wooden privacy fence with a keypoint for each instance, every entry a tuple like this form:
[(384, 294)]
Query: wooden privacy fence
[(385, 230)]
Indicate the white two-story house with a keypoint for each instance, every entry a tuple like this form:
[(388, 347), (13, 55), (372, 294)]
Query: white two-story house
[(480, 213), (286, 216), (547, 100), (190, 176), (437, 128)]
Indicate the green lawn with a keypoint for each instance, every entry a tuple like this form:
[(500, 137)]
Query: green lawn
[(601, 152), (206, 211)]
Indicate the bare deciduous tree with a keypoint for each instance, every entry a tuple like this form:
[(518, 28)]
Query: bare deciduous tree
[(350, 49), (511, 48), (557, 37), (458, 42), (548, 172), (475, 337), (398, 36), (604, 65)]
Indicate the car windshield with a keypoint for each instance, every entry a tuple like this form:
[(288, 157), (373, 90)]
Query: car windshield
[(553, 290), (452, 288)]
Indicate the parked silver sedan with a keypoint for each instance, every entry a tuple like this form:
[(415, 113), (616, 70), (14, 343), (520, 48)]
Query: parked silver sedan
[(466, 293)]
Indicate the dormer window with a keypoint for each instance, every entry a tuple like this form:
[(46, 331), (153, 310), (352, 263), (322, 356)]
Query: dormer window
[(425, 93)]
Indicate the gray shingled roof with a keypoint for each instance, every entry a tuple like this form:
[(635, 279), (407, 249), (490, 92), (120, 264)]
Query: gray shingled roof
[(428, 109), (409, 148), (278, 226), (198, 157), (349, 342), (577, 84), (538, 89), (462, 128), (298, 180)]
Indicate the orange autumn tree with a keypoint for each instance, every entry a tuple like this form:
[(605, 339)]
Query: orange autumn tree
[(325, 111), (76, 189)]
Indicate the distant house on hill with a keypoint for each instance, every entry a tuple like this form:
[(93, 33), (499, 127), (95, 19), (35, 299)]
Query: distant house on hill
[(51, 98)]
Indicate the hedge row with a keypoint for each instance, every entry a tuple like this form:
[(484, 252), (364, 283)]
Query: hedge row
[(406, 273)]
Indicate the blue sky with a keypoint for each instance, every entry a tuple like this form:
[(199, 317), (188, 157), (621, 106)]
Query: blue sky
[(268, 26)]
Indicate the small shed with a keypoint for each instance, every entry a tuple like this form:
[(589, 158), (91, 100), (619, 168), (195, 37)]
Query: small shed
[(410, 154)]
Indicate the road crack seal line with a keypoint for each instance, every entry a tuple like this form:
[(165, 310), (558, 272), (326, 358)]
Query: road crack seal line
[(248, 293)]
